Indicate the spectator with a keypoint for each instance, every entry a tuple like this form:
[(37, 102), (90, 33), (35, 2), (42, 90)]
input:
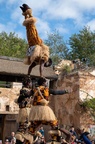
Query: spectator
[(83, 136), (13, 141), (72, 130), (12, 138), (6, 141), (41, 131)]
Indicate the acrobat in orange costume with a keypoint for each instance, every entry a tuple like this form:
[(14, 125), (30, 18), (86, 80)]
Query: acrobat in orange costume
[(37, 52)]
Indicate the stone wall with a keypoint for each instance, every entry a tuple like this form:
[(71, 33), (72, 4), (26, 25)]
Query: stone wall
[(67, 107), (8, 110), (7, 98)]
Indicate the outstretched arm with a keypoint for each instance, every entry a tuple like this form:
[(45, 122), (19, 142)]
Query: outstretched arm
[(58, 92)]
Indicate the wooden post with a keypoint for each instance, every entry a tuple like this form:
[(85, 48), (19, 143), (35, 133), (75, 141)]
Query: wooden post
[(3, 127)]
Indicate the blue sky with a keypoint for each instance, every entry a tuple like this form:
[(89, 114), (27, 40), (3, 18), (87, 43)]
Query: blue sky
[(66, 16)]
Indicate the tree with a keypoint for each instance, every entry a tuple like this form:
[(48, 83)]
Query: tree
[(12, 46), (83, 45), (58, 48)]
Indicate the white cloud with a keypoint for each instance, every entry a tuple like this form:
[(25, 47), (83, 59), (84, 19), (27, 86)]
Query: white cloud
[(17, 16), (62, 29), (9, 27), (43, 28), (86, 5), (91, 24), (20, 34)]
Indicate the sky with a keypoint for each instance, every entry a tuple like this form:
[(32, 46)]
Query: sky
[(66, 16)]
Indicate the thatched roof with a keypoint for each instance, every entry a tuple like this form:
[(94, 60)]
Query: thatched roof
[(15, 67)]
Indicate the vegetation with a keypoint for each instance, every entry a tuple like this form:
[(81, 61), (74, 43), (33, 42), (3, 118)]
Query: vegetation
[(83, 46), (58, 48), (89, 104), (12, 46)]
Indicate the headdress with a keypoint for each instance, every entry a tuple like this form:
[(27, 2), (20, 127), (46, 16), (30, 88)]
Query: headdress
[(24, 7), (26, 81), (41, 81)]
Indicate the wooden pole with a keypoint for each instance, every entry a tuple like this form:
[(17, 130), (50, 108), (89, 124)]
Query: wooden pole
[(3, 127)]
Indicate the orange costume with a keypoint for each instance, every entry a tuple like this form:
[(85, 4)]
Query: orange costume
[(32, 35), (40, 112)]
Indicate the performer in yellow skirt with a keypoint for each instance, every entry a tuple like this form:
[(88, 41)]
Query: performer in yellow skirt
[(41, 113)]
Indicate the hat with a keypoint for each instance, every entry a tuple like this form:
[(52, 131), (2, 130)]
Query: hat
[(24, 7)]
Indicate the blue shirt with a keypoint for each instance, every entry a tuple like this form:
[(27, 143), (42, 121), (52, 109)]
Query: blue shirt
[(42, 132)]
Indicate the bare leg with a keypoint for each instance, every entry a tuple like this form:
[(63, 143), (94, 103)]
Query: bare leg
[(31, 67), (41, 67)]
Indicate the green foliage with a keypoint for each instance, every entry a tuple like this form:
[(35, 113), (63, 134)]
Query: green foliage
[(67, 68), (89, 104), (58, 48), (83, 45), (12, 46)]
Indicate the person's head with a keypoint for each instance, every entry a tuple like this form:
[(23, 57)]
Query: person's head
[(79, 130), (12, 134), (72, 128), (6, 141), (27, 82), (42, 81), (41, 127), (26, 11)]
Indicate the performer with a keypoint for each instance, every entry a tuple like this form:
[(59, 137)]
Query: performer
[(24, 102), (41, 113), (38, 52)]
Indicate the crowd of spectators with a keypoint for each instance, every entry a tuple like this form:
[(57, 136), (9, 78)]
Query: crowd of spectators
[(71, 136)]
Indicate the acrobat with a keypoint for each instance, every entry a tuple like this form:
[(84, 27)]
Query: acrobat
[(37, 52)]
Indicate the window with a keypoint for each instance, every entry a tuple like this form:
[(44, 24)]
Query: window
[(7, 108)]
